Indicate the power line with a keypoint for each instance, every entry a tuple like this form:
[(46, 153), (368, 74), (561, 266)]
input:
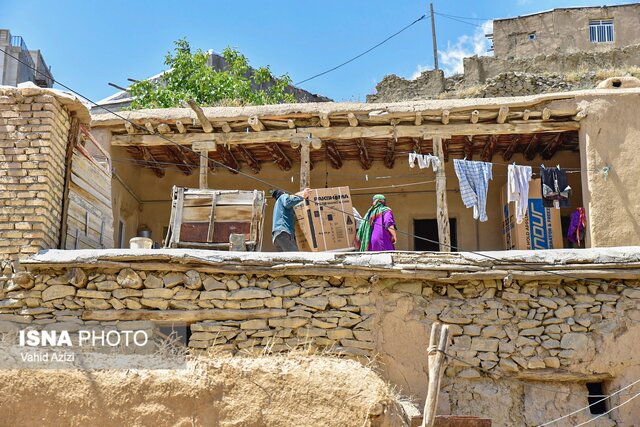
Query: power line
[(606, 413), (363, 53), (458, 20), (204, 156), (464, 17)]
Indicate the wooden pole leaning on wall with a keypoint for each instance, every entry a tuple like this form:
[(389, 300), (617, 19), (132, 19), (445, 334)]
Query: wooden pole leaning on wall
[(442, 215), (436, 359)]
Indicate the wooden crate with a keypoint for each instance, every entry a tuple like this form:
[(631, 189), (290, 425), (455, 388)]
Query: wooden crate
[(204, 219)]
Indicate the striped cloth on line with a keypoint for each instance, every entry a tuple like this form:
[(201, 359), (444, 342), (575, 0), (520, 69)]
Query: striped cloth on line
[(474, 184)]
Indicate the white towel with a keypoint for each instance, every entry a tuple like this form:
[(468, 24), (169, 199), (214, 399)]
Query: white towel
[(518, 178)]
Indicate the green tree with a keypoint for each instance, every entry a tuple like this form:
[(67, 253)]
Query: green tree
[(189, 77)]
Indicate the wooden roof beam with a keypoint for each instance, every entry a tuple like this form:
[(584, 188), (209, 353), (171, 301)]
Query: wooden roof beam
[(164, 128), (526, 114), (204, 122), (552, 146), (228, 159), (418, 120), (149, 128), (324, 120), (278, 156), (390, 154), (468, 147), (363, 154), (256, 124), (181, 128), (333, 154), (445, 117), (353, 120), (248, 158), (489, 148), (177, 156), (503, 112), (291, 124), (475, 115), (151, 161), (350, 133), (225, 127), (530, 151), (511, 148), (130, 128)]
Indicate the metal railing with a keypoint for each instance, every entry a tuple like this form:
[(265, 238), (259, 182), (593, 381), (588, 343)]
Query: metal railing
[(18, 41)]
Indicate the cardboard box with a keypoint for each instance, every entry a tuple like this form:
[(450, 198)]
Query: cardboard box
[(541, 227), (326, 221)]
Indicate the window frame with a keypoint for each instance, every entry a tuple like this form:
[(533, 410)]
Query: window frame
[(601, 31)]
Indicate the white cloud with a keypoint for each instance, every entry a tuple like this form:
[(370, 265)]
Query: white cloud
[(466, 45)]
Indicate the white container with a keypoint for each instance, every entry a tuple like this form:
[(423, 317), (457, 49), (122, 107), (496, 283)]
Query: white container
[(140, 243)]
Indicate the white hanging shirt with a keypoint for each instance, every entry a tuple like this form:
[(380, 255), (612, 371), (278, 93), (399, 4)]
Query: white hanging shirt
[(518, 178)]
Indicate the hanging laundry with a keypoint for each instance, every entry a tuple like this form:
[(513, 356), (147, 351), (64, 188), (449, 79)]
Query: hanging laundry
[(424, 161), (412, 159), (577, 227), (518, 178), (555, 187), (474, 184)]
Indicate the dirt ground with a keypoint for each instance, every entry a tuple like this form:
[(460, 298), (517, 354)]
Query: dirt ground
[(224, 391)]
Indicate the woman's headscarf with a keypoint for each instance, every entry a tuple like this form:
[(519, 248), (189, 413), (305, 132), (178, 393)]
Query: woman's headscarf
[(378, 207)]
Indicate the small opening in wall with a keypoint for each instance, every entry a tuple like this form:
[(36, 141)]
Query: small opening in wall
[(597, 394), (616, 83), (177, 332), (532, 36)]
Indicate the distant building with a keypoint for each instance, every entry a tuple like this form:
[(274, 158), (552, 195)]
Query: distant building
[(567, 30), (13, 71), (122, 99)]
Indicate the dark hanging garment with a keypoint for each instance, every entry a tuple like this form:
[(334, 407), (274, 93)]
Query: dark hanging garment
[(555, 187)]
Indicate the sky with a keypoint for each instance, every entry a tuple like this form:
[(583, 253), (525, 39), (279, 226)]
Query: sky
[(89, 43)]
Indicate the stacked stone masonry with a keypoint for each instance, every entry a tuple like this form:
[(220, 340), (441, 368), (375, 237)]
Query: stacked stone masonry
[(33, 138), (520, 325)]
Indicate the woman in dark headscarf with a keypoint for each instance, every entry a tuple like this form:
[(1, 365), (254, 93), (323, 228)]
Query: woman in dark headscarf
[(378, 229)]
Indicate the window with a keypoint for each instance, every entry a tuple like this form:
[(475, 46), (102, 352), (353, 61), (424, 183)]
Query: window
[(601, 31), (532, 37)]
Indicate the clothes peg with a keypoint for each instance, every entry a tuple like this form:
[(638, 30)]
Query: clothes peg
[(558, 166), (366, 177)]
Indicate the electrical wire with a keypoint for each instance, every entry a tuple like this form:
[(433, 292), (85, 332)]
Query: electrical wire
[(363, 53), (609, 411), (463, 17), (458, 20), (267, 183)]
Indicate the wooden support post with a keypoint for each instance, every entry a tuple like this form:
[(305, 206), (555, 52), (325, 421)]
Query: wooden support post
[(203, 149), (436, 358), (418, 121), (442, 216), (72, 140), (305, 169)]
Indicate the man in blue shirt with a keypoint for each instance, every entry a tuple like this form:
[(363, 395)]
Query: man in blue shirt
[(282, 234)]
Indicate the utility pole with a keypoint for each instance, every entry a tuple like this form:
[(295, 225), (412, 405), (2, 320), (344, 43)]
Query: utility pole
[(433, 36)]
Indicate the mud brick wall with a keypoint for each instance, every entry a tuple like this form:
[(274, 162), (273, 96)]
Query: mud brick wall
[(34, 129)]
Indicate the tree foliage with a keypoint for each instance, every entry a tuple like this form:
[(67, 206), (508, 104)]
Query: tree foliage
[(189, 77)]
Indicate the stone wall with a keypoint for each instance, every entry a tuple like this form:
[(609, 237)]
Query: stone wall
[(477, 69), (550, 326), (429, 84), (34, 126)]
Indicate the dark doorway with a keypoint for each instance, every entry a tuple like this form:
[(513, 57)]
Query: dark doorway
[(428, 229), (596, 398)]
